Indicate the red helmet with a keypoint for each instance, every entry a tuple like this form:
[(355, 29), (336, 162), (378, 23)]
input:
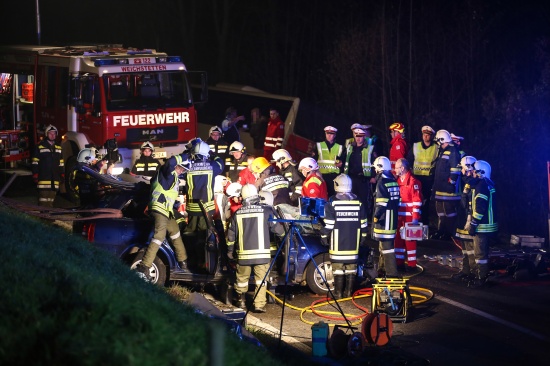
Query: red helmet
[(397, 126)]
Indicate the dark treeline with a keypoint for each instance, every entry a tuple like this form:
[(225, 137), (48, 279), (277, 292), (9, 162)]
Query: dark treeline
[(480, 69)]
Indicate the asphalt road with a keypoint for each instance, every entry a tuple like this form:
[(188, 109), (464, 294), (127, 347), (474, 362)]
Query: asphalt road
[(505, 323)]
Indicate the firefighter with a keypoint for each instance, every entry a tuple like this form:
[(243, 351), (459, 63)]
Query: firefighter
[(204, 165), (345, 223), (484, 224), (233, 193), (48, 168), (164, 194), (422, 157), (146, 165), (446, 188), (328, 155), (314, 185), (386, 206), (287, 168), (464, 217), (410, 191), (222, 213), (236, 162), (268, 180), (274, 135), (358, 166), (248, 242), (399, 147), (83, 185), (216, 142)]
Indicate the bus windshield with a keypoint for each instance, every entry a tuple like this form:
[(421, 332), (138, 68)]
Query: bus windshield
[(147, 91)]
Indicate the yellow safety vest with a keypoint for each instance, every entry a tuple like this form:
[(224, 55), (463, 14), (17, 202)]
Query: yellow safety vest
[(327, 158), (423, 158)]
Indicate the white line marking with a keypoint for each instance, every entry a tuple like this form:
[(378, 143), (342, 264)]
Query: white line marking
[(493, 318)]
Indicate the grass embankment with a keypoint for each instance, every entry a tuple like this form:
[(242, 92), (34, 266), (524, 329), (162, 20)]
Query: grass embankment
[(63, 302)]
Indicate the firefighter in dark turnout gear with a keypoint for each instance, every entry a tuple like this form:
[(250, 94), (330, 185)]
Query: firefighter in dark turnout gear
[(146, 165), (384, 218), (88, 189), (217, 143), (236, 162), (164, 192), (203, 167), (484, 224), (464, 218), (48, 168), (287, 168), (248, 242), (270, 181), (346, 223), (446, 189)]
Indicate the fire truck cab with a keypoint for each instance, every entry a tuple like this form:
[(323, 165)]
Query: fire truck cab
[(94, 94)]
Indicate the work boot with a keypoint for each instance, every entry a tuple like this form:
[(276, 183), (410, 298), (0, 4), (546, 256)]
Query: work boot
[(144, 272), (350, 281), (183, 266), (259, 309), (338, 286), (240, 301)]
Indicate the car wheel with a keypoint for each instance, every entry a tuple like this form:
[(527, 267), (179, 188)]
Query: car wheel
[(313, 278), (157, 270)]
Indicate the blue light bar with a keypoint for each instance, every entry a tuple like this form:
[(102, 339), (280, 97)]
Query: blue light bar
[(105, 62), (173, 59)]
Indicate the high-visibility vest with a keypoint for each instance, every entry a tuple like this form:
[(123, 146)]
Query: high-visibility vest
[(423, 158), (327, 158), (366, 154)]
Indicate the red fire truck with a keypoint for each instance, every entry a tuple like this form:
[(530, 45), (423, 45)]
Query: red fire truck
[(93, 94)]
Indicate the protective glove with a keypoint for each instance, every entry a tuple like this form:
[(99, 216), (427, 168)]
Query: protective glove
[(324, 241), (473, 228), (35, 178), (211, 155), (363, 241)]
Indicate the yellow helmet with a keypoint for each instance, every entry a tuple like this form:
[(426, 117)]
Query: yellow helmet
[(259, 165)]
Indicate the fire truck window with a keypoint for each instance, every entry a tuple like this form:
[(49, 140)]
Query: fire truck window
[(149, 87)]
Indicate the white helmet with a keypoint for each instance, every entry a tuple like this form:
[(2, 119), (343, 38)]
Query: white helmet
[(50, 128), (236, 146), (467, 163), (215, 129), (266, 197), (381, 164), (483, 169), (249, 191), (281, 156), (87, 156), (234, 190), (147, 145), (308, 164), (220, 182), (443, 136), (342, 183), (202, 149)]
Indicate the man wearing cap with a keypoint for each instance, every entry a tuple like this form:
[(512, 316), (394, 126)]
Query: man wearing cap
[(328, 154), (399, 147), (457, 141), (422, 158), (164, 193), (217, 144), (358, 166)]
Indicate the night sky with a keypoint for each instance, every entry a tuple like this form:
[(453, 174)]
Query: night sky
[(480, 69)]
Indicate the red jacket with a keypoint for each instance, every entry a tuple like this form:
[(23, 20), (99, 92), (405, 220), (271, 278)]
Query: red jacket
[(398, 150), (315, 187), (410, 190), (274, 136), (246, 177)]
